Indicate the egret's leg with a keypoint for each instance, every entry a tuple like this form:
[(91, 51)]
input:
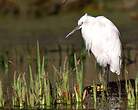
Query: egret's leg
[(108, 74), (119, 82), (104, 76), (119, 86), (107, 79), (104, 79)]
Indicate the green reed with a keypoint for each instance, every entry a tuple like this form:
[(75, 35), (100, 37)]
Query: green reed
[(62, 84), (94, 94), (128, 86), (65, 75), (40, 85), (1, 95), (136, 85), (78, 88), (19, 90), (130, 94), (136, 89), (36, 92)]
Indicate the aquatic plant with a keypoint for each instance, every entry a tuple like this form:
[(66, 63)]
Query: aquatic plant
[(136, 84), (19, 90), (62, 84), (78, 88), (1, 95), (38, 92), (136, 89), (94, 94), (130, 94)]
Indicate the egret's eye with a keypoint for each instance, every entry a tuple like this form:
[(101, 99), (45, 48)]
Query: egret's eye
[(80, 23)]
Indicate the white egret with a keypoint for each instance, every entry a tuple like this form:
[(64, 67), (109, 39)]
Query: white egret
[(101, 37)]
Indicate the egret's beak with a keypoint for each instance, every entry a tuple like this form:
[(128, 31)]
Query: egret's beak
[(75, 29)]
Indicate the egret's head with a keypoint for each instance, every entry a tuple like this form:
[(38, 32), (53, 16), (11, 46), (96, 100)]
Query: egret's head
[(81, 21)]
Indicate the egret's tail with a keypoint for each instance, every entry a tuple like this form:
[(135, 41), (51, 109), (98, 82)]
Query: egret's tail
[(115, 66)]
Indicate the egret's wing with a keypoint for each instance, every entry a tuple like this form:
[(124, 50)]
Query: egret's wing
[(110, 42), (106, 22)]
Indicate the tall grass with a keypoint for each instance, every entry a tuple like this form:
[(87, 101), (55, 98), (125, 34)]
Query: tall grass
[(131, 99), (78, 88), (33, 89), (38, 92), (136, 85), (94, 94), (136, 90), (20, 90), (62, 84), (1, 95), (130, 94)]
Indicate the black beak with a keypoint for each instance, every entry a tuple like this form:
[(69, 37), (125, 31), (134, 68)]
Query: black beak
[(75, 29)]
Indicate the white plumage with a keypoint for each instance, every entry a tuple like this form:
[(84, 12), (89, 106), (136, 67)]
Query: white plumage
[(102, 38)]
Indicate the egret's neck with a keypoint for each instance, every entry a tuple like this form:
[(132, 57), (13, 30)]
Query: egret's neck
[(86, 31)]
